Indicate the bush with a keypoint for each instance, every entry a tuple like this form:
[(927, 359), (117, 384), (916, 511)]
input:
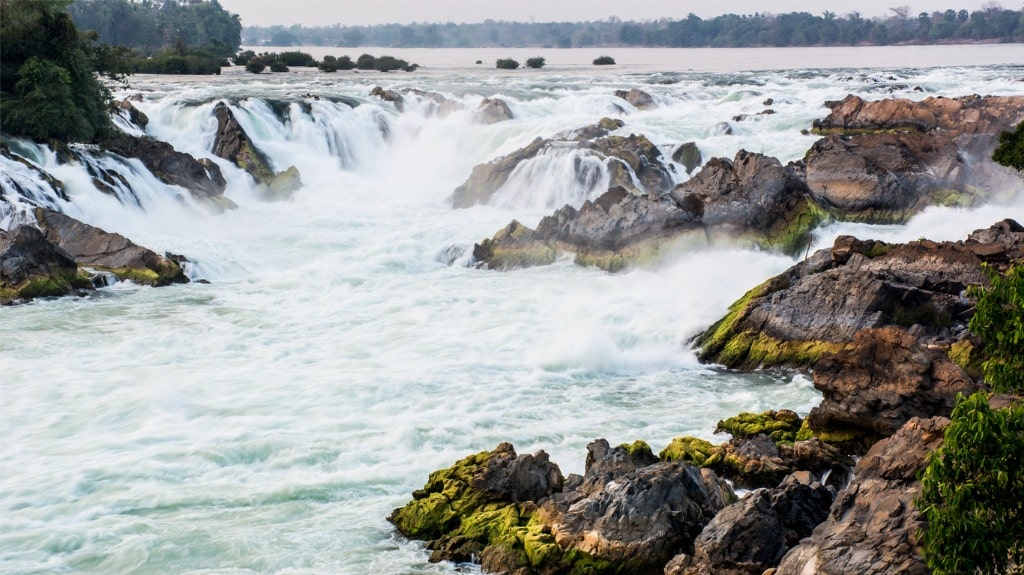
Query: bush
[(243, 58), (277, 66), (345, 63), (1010, 152), (389, 63), (365, 62), (999, 321), (255, 66), (537, 62), (604, 61), (972, 492), (507, 64), (296, 59)]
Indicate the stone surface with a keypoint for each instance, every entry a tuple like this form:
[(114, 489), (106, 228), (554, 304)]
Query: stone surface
[(688, 155), (492, 111), (638, 98), (93, 247), (203, 179), (32, 266), (872, 525), (234, 145)]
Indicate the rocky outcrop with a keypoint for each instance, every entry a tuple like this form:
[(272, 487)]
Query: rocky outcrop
[(90, 246), (200, 177), (32, 266), (638, 98), (389, 96), (885, 378), (492, 111), (628, 513), (688, 155), (133, 114), (625, 157), (751, 200), (754, 533), (872, 525), (884, 161), (234, 145), (819, 305)]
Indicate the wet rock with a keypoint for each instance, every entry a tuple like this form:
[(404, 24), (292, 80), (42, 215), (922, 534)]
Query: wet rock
[(234, 145), (133, 114), (638, 98), (492, 111), (389, 96), (639, 154), (818, 305), (884, 379), (969, 115), (722, 129), (688, 155), (203, 179), (32, 266), (872, 525), (754, 533), (96, 248)]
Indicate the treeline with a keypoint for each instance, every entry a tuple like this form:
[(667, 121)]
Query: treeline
[(150, 26), (992, 24)]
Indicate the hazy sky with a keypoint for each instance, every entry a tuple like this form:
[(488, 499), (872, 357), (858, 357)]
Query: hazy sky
[(353, 12)]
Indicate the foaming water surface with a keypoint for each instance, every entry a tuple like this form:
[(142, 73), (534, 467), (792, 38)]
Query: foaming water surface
[(267, 422)]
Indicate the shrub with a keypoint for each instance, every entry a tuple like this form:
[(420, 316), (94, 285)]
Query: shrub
[(243, 58), (999, 321), (972, 491), (345, 63), (604, 61), (479, 61), (389, 63), (537, 62), (277, 66), (507, 64), (1010, 152), (255, 66), (365, 62), (296, 59)]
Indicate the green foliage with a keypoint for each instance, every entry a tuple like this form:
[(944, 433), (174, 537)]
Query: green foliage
[(278, 66), (243, 58), (255, 66), (507, 64), (604, 61), (365, 62), (1010, 152), (296, 59), (972, 491), (151, 25), (179, 61), (48, 83), (537, 62), (999, 322), (389, 63)]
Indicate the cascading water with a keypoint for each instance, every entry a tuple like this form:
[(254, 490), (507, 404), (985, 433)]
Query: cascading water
[(267, 422)]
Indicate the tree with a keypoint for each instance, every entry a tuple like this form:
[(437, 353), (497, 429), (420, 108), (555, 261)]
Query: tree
[(537, 62), (1010, 152), (507, 64), (999, 322)]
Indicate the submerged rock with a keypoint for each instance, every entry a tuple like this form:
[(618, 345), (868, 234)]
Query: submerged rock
[(234, 145), (203, 179), (638, 98), (688, 155)]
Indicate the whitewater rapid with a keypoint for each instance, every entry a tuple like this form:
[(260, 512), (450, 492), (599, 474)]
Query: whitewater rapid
[(267, 422)]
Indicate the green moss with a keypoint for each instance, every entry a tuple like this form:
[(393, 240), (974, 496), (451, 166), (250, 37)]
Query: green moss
[(878, 249), (780, 426), (953, 198), (722, 333), (692, 449), (792, 237), (964, 354), (847, 440), (638, 448), (141, 276)]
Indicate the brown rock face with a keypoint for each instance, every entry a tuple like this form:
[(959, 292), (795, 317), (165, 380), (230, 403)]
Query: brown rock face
[(203, 180), (492, 111), (26, 256), (234, 145), (872, 523), (638, 98), (969, 115), (882, 381)]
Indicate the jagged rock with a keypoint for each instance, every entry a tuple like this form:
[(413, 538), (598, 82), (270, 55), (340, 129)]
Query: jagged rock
[(624, 156), (723, 129), (750, 200), (203, 179), (93, 247), (688, 155), (438, 105), (818, 305), (872, 525), (998, 245), (605, 463), (883, 380), (389, 96), (754, 533), (492, 111), (234, 145), (884, 161), (32, 266), (638, 98), (134, 115)]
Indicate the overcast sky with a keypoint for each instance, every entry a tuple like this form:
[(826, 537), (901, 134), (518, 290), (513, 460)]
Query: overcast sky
[(354, 12)]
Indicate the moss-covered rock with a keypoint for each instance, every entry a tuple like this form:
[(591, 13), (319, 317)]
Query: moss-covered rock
[(779, 426), (691, 449)]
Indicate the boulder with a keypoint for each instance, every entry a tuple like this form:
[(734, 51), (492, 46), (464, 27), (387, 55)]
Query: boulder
[(751, 200), (234, 145), (492, 111), (688, 155), (885, 378), (626, 158), (203, 179), (133, 114), (32, 266), (389, 96), (820, 304), (638, 98), (884, 161), (872, 526), (90, 246), (754, 533)]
